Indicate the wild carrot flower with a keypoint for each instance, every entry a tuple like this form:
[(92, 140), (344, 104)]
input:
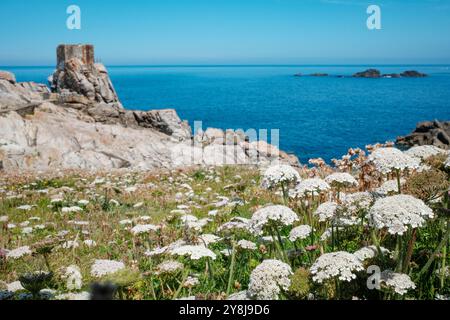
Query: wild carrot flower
[(269, 279), (194, 252), (278, 175), (300, 233), (387, 160), (425, 152), (341, 179), (341, 265), (310, 186), (18, 253), (397, 213), (399, 282), (101, 268), (326, 211), (272, 215)]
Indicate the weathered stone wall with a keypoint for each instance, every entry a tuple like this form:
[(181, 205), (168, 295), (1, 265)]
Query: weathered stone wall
[(82, 52)]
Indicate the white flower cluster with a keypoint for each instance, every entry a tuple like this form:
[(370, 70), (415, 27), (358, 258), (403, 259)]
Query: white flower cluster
[(247, 245), (167, 249), (235, 224), (300, 233), (389, 187), (279, 174), (194, 252), (326, 211), (268, 279), (144, 228), (169, 267), (424, 152), (398, 212), (310, 186), (369, 252), (18, 253), (207, 239), (354, 202), (341, 179), (399, 282), (339, 264), (102, 268), (387, 160), (278, 215), (73, 277)]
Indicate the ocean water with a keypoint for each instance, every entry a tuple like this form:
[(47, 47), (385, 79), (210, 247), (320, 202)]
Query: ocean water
[(316, 116)]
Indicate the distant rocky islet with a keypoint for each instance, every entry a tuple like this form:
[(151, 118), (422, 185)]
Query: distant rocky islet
[(371, 73)]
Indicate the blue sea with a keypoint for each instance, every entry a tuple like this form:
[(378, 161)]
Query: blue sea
[(316, 116)]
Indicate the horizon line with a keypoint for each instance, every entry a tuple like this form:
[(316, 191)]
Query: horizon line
[(244, 65)]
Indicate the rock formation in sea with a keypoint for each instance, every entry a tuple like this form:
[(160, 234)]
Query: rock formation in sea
[(435, 133), (374, 73), (79, 123), (370, 73)]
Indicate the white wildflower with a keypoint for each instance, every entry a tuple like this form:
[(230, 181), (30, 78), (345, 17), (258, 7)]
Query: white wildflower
[(369, 252), (25, 207), (27, 230), (341, 179), (83, 202), (277, 215), (246, 245), (73, 209), (239, 296), (18, 253), (398, 212), (73, 277), (144, 228), (310, 186), (300, 233), (208, 239), (14, 286), (89, 243), (425, 152), (387, 160), (101, 268), (278, 175), (326, 211), (269, 279), (169, 267), (191, 282), (82, 296), (70, 244), (341, 265), (194, 252), (389, 187), (399, 282)]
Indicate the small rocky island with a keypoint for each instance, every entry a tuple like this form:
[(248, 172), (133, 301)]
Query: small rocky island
[(374, 73)]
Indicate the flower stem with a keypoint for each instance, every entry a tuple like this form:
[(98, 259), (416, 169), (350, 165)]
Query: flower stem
[(233, 262)]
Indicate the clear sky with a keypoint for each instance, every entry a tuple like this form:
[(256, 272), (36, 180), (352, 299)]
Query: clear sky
[(228, 31)]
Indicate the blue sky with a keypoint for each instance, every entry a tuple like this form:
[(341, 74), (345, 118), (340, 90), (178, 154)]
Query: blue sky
[(229, 31)]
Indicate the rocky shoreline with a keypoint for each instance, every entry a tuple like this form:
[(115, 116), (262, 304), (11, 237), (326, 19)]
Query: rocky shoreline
[(79, 123)]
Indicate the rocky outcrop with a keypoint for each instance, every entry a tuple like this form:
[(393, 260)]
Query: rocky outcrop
[(435, 133), (374, 73), (413, 74), (369, 73), (82, 125), (77, 73), (8, 76), (15, 95), (55, 137)]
